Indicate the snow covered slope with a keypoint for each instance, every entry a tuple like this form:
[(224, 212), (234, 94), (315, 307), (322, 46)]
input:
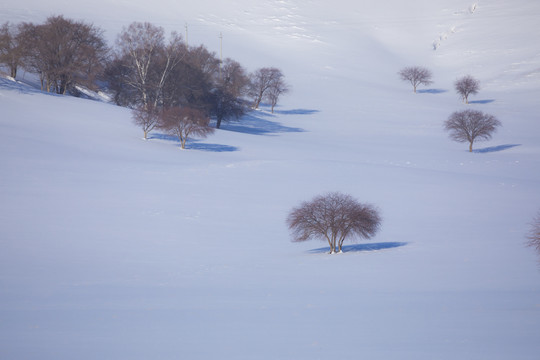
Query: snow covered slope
[(112, 247)]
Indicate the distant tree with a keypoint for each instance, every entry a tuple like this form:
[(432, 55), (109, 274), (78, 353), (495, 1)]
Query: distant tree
[(146, 118), (260, 81), (184, 123), (416, 75), (466, 86), (274, 92), (333, 217), (534, 234), (12, 47), (470, 126)]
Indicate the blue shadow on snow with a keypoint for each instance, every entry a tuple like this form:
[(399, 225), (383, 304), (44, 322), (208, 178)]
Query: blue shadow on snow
[(362, 247), (254, 124), (194, 143), (495, 148), (431, 91), (482, 101)]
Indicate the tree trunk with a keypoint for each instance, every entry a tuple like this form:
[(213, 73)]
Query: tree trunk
[(470, 146)]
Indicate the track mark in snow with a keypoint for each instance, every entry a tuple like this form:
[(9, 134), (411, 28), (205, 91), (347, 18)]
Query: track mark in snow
[(452, 30)]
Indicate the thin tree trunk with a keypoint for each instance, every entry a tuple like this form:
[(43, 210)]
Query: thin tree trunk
[(470, 146)]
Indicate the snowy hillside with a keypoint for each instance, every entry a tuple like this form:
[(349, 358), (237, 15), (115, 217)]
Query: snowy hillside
[(113, 247)]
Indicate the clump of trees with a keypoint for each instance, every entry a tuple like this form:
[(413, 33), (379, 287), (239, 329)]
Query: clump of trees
[(65, 53), (470, 126), (12, 47), (416, 75), (466, 86), (145, 70), (333, 217), (267, 83)]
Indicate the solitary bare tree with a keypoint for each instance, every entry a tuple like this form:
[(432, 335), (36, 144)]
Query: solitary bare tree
[(534, 234), (416, 75), (466, 86), (184, 123), (333, 217), (470, 126)]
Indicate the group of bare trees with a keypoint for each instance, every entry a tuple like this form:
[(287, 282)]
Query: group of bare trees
[(463, 126), (64, 53), (418, 75), (145, 71)]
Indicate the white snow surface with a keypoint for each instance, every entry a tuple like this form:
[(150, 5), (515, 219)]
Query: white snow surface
[(112, 247)]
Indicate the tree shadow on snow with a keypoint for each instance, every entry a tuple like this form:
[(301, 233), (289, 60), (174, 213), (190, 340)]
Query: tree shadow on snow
[(254, 123), (23, 88), (487, 101), (296, 112), (431, 91), (194, 144), (495, 148), (362, 247)]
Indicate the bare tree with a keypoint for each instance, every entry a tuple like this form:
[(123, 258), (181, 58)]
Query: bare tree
[(470, 126), (64, 52), (333, 217), (274, 92), (466, 86), (227, 99), (260, 81), (12, 47), (146, 117), (416, 75), (184, 123), (142, 49), (534, 234)]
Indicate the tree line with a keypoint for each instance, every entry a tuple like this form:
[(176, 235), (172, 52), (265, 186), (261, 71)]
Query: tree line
[(145, 70)]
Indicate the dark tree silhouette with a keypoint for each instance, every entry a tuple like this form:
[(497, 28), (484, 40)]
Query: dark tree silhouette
[(184, 123), (227, 95), (470, 126), (466, 86), (416, 75), (333, 217)]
